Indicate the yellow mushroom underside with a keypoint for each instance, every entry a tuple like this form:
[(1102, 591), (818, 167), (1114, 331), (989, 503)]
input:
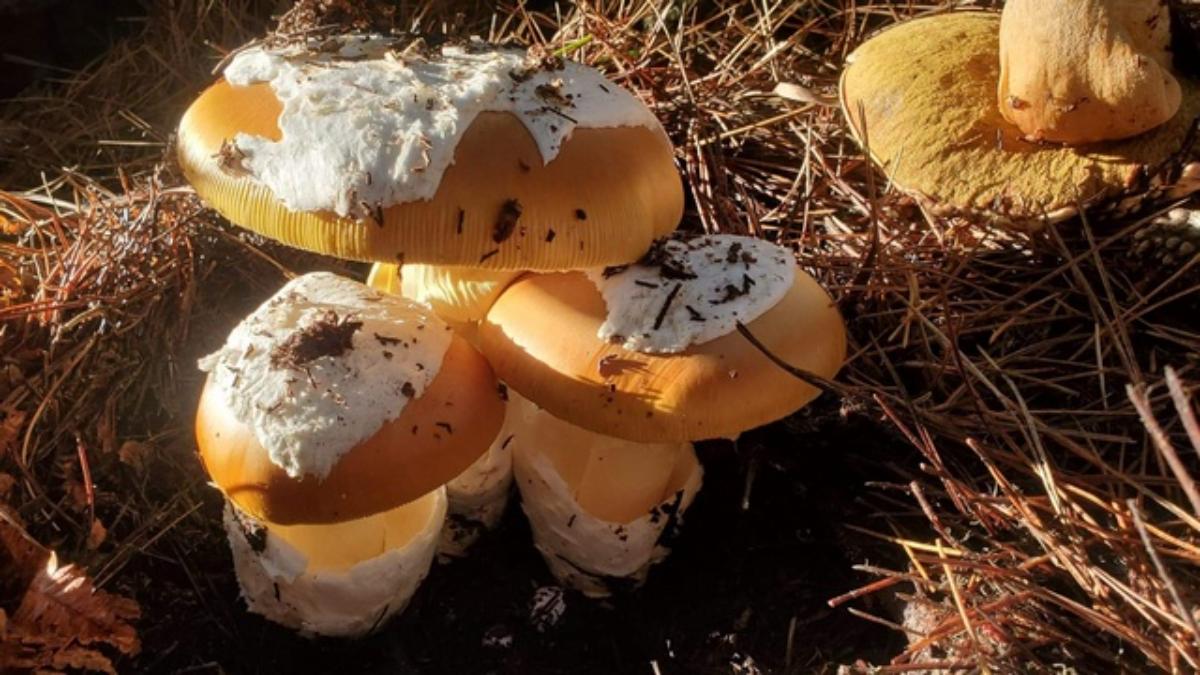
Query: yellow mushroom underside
[(927, 92)]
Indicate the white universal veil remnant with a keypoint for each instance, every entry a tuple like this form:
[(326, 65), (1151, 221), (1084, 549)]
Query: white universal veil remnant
[(630, 364), (370, 148), (331, 419), (370, 124)]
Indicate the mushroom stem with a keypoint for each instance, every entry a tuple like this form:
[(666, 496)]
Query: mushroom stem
[(622, 482), (591, 500), (478, 496)]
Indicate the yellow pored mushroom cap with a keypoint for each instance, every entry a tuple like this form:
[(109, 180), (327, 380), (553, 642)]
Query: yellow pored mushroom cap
[(921, 96)]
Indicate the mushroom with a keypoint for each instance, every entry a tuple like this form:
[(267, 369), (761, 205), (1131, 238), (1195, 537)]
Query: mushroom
[(603, 510), (1085, 71), (921, 97), (478, 497), (366, 148), (331, 418), (339, 580), (630, 364), (651, 352)]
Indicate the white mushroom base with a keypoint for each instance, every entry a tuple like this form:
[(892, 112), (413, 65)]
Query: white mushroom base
[(479, 495), (589, 554), (477, 499), (318, 597)]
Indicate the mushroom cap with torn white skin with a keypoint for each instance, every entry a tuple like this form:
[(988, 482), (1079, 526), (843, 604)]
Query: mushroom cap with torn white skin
[(339, 580), (1085, 71), (602, 510), (921, 98), (332, 402), (460, 296), (368, 148), (650, 352)]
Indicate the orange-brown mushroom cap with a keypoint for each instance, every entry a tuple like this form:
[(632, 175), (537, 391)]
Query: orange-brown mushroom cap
[(434, 438), (541, 338), (607, 195)]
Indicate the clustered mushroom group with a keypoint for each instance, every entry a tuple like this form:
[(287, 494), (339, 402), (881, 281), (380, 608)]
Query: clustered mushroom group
[(533, 315)]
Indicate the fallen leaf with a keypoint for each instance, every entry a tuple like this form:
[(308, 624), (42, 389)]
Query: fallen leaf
[(801, 94), (96, 535), (62, 621), (11, 425)]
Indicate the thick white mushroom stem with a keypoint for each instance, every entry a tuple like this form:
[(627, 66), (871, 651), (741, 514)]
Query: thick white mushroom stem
[(602, 509), (341, 579), (1084, 71), (478, 496)]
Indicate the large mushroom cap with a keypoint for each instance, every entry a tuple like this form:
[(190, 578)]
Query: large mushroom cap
[(304, 420), (543, 338), (462, 157), (922, 97)]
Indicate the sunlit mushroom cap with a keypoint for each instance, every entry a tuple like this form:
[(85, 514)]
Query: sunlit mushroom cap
[(461, 155), (1084, 71), (921, 96), (550, 337), (332, 402)]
